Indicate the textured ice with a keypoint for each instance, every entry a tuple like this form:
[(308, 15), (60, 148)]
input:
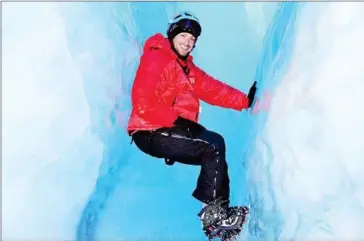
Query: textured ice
[(297, 158), (306, 163)]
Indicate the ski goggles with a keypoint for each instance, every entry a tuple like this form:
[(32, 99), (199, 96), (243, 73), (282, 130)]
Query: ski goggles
[(190, 26)]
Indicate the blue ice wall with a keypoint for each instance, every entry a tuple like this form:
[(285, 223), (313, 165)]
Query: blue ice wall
[(303, 167), (70, 173)]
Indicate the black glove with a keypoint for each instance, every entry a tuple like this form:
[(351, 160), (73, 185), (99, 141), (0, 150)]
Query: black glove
[(194, 127), (251, 94)]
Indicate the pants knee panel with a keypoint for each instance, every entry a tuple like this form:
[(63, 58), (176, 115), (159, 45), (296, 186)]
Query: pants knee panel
[(220, 143)]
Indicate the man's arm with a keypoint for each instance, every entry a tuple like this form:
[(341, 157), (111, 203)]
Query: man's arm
[(146, 102), (215, 92)]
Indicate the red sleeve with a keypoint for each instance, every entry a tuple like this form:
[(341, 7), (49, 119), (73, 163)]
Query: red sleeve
[(145, 99), (215, 92)]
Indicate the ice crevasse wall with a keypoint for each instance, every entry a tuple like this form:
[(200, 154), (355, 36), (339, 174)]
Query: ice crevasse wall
[(297, 158)]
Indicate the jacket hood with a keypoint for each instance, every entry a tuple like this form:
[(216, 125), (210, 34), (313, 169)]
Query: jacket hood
[(159, 42)]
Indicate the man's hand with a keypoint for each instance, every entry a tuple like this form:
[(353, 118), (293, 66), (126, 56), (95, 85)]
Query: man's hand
[(251, 94)]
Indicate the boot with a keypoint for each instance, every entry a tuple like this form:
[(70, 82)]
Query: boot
[(219, 220)]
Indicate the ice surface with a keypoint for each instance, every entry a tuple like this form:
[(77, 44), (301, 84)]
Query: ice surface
[(70, 173)]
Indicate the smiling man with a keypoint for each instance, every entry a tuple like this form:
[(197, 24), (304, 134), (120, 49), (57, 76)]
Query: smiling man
[(166, 98)]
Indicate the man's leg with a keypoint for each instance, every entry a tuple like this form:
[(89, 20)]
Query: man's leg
[(207, 150), (214, 167)]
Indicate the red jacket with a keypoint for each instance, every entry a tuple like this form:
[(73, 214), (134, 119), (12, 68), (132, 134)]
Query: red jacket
[(162, 91)]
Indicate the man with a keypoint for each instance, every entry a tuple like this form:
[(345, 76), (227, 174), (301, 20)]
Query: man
[(166, 98)]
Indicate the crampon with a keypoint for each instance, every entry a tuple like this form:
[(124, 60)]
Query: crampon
[(227, 223)]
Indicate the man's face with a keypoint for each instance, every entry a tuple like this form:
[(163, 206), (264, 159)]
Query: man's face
[(183, 43)]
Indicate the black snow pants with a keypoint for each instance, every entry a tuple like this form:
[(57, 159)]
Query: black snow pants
[(206, 150)]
